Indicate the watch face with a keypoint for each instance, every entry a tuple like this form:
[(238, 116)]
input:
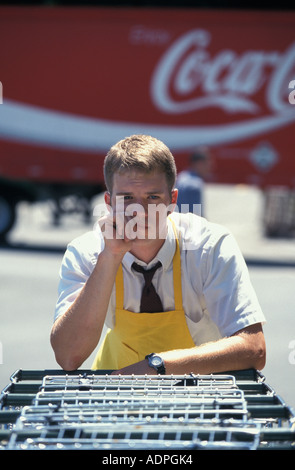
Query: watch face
[(156, 361)]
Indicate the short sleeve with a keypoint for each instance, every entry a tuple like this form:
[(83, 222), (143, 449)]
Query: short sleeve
[(229, 295), (76, 267)]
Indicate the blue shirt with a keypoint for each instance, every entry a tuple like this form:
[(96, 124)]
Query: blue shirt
[(190, 190)]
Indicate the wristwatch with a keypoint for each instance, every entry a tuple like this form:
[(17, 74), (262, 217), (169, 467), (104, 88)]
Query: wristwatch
[(156, 362)]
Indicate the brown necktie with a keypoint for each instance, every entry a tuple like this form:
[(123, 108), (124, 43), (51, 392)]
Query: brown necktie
[(150, 301)]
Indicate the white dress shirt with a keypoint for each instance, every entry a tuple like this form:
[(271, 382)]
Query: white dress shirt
[(218, 297)]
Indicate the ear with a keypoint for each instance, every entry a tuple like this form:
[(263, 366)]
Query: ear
[(174, 195), (107, 198)]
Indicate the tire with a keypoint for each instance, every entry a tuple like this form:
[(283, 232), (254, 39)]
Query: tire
[(7, 216)]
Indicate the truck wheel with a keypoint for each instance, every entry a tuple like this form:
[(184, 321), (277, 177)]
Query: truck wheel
[(7, 216)]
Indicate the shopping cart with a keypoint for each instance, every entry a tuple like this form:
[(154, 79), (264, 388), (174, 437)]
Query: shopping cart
[(51, 409)]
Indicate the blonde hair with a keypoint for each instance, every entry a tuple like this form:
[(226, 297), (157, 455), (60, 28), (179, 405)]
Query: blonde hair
[(142, 153)]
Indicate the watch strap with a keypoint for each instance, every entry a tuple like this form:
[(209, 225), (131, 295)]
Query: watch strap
[(159, 368)]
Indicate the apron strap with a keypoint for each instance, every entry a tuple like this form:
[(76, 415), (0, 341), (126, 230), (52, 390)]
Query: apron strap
[(177, 278), (120, 288)]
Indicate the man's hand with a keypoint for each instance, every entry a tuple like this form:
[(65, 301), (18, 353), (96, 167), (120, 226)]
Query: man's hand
[(244, 350), (116, 238), (139, 368)]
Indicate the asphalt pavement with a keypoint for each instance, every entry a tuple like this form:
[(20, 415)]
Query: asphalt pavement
[(30, 262)]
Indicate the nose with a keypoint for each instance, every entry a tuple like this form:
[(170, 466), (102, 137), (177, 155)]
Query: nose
[(137, 207)]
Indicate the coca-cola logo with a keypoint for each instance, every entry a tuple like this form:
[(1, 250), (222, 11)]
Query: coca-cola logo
[(188, 78)]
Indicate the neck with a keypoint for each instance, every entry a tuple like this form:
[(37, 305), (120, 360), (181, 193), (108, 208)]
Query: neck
[(145, 252)]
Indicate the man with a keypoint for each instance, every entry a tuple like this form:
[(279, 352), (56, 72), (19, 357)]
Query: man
[(205, 318), (190, 182)]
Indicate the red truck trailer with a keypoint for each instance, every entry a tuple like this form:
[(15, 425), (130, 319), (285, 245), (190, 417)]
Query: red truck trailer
[(76, 80)]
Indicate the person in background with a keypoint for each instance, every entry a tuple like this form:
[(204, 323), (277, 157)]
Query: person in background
[(190, 182)]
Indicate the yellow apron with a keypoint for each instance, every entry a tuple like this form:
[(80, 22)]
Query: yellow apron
[(137, 334)]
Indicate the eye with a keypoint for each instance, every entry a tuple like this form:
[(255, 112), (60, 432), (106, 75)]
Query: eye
[(153, 196)]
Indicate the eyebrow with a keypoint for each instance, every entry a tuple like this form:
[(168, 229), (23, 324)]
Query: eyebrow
[(128, 193)]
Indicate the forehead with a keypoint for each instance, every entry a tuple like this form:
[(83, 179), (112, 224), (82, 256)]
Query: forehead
[(130, 180)]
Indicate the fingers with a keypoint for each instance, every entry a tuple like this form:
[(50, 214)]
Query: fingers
[(120, 226)]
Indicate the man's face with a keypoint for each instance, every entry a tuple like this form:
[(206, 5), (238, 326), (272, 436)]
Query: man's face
[(145, 200)]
